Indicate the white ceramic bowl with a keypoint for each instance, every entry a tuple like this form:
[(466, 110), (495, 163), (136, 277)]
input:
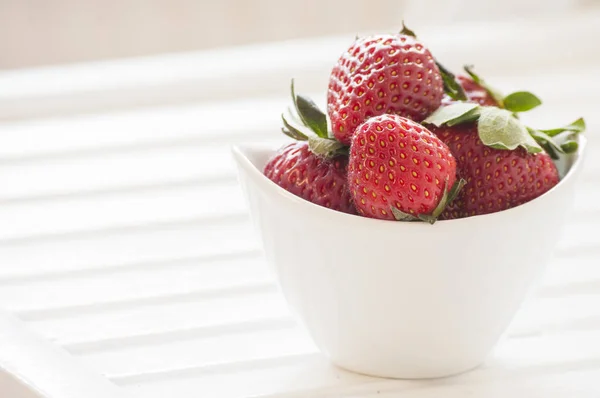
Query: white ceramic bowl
[(403, 300)]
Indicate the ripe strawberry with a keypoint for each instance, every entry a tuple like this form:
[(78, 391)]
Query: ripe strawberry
[(474, 92), (320, 180), (382, 74), (496, 179), (397, 163)]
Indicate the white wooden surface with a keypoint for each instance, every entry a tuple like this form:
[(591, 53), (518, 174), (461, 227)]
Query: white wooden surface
[(126, 251)]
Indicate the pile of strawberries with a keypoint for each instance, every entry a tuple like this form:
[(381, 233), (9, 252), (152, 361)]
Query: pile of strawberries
[(411, 141)]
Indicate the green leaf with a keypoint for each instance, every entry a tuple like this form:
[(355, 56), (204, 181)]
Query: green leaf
[(292, 131), (578, 126), (326, 147), (465, 118), (451, 86), (546, 142), (495, 94), (559, 140), (499, 129), (521, 101), (310, 114), (407, 32), (446, 198), (402, 216), (456, 188), (570, 146), (454, 113), (567, 141), (292, 116)]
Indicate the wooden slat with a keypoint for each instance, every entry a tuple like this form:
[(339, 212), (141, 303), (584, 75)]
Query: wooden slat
[(32, 368), (195, 124), (170, 358), (96, 290), (58, 178), (27, 219), (310, 375), (78, 329), (139, 248)]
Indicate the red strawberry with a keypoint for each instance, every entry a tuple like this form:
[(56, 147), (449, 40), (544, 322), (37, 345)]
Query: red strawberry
[(382, 74), (320, 180), (474, 92), (397, 163), (496, 179)]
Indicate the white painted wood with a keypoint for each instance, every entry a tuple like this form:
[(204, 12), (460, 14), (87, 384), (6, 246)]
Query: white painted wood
[(78, 330), (32, 368), (135, 363), (137, 247), (520, 362), (196, 278), (113, 210), (197, 123)]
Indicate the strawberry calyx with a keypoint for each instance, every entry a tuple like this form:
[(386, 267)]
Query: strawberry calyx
[(500, 129), (495, 94), (308, 115), (451, 86), (560, 140), (519, 101), (406, 31), (447, 197)]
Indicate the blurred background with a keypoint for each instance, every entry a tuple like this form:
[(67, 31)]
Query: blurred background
[(34, 32)]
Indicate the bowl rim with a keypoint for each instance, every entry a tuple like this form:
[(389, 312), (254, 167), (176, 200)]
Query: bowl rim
[(240, 151)]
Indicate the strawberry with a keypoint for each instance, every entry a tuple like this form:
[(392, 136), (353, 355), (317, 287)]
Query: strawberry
[(496, 179), (317, 179), (502, 160), (474, 92), (315, 168), (381, 74), (400, 170)]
